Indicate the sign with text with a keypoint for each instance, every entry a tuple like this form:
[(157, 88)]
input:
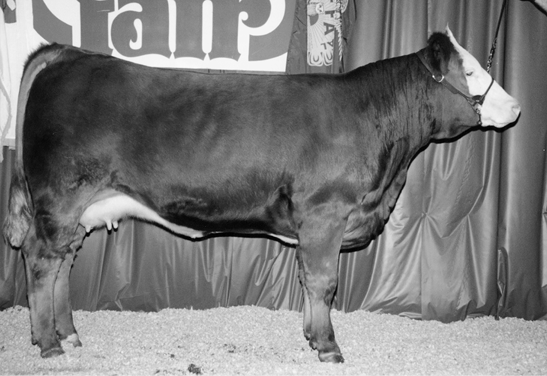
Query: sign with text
[(324, 30), (248, 35)]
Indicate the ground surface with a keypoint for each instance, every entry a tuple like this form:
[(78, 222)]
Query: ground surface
[(257, 341)]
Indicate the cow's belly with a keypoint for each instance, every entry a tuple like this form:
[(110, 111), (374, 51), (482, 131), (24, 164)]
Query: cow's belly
[(109, 207)]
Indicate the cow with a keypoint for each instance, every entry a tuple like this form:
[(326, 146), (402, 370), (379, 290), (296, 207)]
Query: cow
[(316, 161)]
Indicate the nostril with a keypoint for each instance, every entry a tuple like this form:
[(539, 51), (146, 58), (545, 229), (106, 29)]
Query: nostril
[(516, 109)]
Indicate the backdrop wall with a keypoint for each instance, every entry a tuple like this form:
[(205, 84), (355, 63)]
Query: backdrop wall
[(467, 236)]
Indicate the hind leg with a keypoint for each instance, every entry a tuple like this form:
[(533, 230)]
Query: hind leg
[(64, 322), (41, 272)]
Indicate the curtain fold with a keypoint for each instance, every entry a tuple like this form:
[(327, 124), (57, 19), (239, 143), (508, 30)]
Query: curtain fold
[(523, 165), (467, 236)]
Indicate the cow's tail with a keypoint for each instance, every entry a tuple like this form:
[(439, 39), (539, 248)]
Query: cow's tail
[(20, 207)]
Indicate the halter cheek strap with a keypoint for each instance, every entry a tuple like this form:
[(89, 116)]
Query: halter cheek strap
[(475, 101)]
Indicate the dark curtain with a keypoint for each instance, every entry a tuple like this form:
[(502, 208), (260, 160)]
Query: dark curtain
[(467, 236)]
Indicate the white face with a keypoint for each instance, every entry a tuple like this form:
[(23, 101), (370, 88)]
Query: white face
[(499, 108)]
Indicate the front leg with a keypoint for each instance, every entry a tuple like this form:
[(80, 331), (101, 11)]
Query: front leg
[(320, 239), (306, 308)]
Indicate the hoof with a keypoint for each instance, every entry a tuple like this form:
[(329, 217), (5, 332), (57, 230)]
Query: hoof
[(74, 340), (52, 353), (331, 357)]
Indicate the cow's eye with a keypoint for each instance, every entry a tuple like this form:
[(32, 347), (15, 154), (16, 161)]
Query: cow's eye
[(470, 73)]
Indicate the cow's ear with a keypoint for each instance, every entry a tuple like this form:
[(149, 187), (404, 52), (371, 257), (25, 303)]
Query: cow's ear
[(440, 51)]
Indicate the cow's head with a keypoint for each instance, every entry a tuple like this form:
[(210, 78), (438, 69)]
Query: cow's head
[(458, 69)]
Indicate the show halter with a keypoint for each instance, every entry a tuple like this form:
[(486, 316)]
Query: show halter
[(475, 101)]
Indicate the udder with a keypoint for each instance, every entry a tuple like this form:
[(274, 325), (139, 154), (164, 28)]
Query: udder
[(109, 207)]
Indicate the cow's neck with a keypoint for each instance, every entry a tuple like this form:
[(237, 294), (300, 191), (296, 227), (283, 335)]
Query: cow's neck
[(411, 110)]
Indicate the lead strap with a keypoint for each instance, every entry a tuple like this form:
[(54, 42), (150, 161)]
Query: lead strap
[(493, 48)]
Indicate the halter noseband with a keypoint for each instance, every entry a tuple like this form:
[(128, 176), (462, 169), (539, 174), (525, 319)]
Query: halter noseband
[(475, 101)]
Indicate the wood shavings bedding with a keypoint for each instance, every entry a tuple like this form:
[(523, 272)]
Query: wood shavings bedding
[(249, 340)]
